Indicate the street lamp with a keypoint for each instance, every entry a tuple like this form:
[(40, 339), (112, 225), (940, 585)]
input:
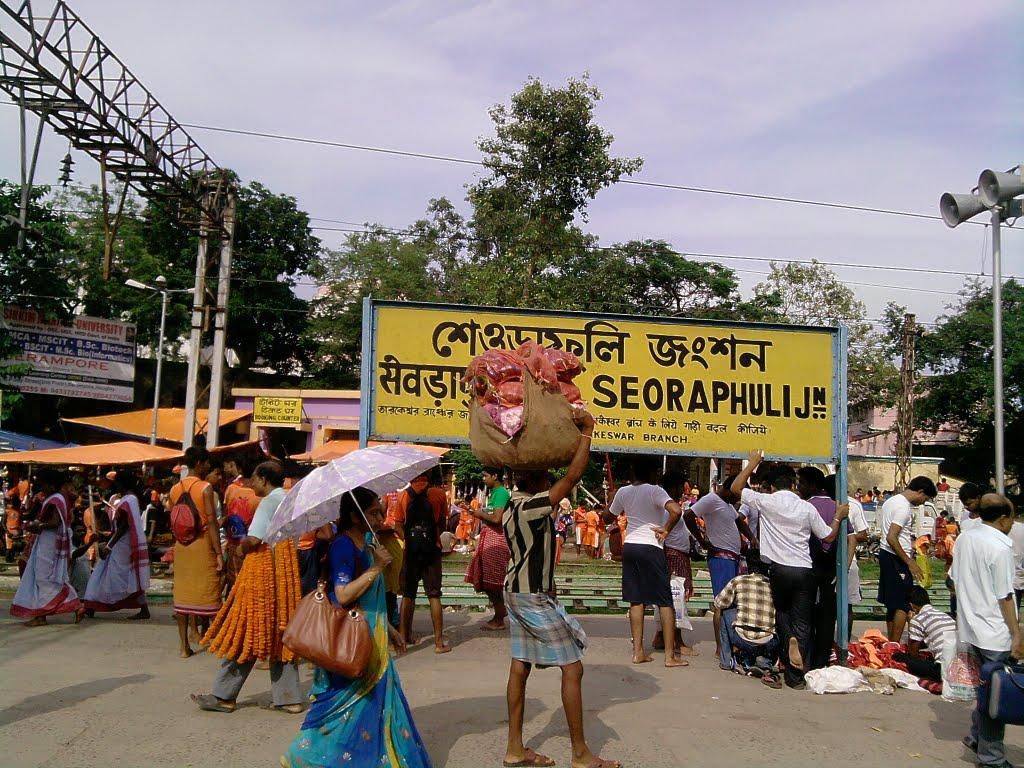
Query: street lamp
[(164, 291), (995, 192)]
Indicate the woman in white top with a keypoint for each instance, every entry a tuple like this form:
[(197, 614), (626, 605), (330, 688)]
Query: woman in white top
[(645, 578)]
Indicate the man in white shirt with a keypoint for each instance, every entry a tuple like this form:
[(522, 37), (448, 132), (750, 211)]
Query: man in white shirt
[(645, 579), (787, 524), (983, 571), (897, 569)]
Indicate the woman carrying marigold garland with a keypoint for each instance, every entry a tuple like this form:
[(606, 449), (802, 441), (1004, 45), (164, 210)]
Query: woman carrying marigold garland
[(259, 607), (365, 721)]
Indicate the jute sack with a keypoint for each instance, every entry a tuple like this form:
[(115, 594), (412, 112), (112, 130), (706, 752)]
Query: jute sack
[(547, 440)]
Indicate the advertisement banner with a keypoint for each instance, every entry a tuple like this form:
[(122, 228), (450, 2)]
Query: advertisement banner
[(655, 385), (88, 357), (270, 411)]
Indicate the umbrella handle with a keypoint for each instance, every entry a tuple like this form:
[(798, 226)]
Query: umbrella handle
[(376, 541)]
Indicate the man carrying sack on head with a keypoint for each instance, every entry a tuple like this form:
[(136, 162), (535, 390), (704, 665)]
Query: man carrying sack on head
[(542, 633)]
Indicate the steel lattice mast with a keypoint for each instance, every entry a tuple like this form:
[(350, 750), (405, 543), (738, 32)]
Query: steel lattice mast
[(55, 66)]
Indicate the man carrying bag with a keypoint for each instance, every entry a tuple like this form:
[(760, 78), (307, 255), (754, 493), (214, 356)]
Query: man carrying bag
[(419, 520)]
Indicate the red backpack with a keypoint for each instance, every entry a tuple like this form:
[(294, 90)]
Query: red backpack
[(186, 523)]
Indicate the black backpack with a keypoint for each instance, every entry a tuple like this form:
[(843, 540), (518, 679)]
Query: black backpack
[(420, 528)]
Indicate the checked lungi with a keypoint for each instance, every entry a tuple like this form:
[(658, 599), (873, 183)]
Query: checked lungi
[(679, 565), (541, 632), (486, 571)]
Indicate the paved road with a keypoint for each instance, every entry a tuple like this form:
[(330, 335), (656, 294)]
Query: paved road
[(114, 693)]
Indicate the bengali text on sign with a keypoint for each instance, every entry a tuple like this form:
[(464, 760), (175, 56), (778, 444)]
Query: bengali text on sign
[(277, 410)]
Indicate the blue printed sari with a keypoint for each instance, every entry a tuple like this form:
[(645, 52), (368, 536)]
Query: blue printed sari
[(366, 721)]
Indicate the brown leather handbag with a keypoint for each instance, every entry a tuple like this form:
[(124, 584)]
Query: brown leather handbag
[(336, 639)]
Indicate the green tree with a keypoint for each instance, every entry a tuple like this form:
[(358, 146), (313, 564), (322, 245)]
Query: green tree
[(547, 160), (38, 276), (959, 388), (273, 248), (133, 257), (467, 466), (379, 263), (41, 275), (650, 277), (812, 294)]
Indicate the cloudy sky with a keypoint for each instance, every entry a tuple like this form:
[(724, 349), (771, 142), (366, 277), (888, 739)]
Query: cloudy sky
[(881, 104)]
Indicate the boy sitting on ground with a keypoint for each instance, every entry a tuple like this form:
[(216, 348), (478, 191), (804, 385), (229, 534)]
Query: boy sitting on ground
[(928, 627)]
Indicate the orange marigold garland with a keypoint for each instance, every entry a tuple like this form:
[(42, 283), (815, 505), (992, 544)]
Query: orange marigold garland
[(261, 603), (287, 589)]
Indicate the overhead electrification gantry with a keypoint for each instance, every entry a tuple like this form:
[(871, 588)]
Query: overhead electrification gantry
[(53, 65)]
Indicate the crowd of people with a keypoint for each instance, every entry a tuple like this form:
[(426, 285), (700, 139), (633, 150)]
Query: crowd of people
[(768, 534)]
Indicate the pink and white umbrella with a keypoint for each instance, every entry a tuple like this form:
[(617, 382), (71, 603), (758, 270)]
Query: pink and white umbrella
[(313, 501)]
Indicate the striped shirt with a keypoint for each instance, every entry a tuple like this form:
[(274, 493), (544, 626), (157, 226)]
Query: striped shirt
[(929, 626), (530, 533)]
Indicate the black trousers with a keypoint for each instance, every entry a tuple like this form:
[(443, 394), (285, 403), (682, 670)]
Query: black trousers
[(793, 591), (930, 670), (823, 617)]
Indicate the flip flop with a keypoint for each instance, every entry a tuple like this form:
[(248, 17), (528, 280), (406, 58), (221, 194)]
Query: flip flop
[(531, 758), (210, 703), (772, 681), (443, 649), (598, 762), (288, 709), (488, 627)]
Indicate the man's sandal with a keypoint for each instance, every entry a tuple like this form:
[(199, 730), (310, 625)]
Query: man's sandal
[(210, 703)]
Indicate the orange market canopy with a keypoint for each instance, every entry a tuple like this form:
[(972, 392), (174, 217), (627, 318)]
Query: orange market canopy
[(170, 422), (335, 449), (111, 454), (103, 455)]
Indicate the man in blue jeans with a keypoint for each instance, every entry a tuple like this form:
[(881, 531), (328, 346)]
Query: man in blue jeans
[(723, 526), (747, 628), (983, 569)]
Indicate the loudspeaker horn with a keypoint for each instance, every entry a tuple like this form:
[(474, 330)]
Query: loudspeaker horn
[(956, 209), (995, 188)]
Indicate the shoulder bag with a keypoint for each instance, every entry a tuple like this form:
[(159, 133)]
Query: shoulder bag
[(334, 638)]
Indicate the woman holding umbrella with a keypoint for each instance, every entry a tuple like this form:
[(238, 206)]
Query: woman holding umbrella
[(363, 721)]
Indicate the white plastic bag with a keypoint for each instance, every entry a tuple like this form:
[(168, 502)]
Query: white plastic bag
[(903, 679), (679, 602), (961, 675), (836, 680)]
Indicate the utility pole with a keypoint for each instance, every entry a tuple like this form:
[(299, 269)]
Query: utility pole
[(1000, 194), (905, 407), (220, 322)]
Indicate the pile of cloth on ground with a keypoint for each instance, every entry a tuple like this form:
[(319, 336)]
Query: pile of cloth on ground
[(871, 666)]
